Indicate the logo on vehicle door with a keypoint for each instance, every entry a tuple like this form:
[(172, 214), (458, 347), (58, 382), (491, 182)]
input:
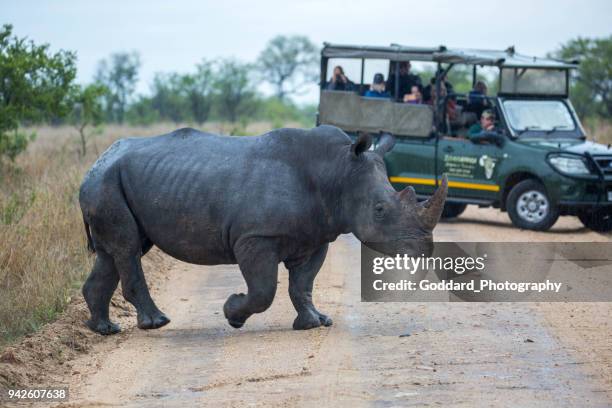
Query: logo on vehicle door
[(489, 165)]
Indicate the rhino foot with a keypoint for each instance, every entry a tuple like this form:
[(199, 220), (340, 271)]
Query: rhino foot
[(147, 322), (311, 320), (325, 320), (305, 321), (231, 308), (236, 324), (104, 327)]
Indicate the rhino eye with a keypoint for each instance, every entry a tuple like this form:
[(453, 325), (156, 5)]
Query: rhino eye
[(379, 210)]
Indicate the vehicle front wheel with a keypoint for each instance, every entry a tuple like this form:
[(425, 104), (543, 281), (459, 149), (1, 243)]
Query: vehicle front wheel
[(599, 220), (529, 206), (452, 210)]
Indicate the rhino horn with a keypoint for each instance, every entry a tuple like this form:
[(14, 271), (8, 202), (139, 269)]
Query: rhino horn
[(430, 211)]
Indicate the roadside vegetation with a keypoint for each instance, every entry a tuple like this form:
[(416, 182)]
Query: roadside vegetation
[(52, 130), (42, 258)]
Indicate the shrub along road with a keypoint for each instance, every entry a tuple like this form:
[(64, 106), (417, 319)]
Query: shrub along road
[(380, 354)]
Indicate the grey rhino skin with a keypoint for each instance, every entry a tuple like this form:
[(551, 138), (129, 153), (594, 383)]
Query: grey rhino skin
[(255, 201)]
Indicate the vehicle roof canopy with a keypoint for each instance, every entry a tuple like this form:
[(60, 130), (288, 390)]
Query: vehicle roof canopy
[(508, 58)]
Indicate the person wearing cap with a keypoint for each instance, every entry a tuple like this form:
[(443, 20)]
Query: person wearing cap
[(486, 124), (377, 89)]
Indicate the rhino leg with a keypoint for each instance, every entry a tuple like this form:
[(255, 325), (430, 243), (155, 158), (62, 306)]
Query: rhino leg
[(259, 266), (135, 291), (301, 279), (98, 290), (116, 233)]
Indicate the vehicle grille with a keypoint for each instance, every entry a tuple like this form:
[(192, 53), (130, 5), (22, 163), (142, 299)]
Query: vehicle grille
[(604, 163)]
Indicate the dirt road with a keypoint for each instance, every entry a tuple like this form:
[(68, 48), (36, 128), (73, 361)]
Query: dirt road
[(375, 354)]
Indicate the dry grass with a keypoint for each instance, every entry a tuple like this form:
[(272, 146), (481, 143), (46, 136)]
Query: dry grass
[(599, 130), (43, 257)]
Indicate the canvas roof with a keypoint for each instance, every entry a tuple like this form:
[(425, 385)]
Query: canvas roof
[(395, 52)]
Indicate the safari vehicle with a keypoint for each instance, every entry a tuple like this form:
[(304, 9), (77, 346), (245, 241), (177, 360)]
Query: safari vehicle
[(536, 164)]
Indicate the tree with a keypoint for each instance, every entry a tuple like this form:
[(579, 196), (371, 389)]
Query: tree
[(197, 89), (233, 90), (184, 97), (34, 86), (288, 63), (167, 98), (87, 110), (592, 89), (142, 112), (119, 74)]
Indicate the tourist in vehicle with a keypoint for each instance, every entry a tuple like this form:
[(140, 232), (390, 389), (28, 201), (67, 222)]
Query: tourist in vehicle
[(432, 83), (339, 81), (406, 81), (414, 97), (451, 115), (427, 91), (377, 89), (477, 99), (486, 124), (451, 104)]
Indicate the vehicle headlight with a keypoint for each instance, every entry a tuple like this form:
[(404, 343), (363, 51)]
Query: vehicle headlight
[(569, 165)]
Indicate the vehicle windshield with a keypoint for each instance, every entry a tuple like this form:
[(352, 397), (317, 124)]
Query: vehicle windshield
[(539, 116)]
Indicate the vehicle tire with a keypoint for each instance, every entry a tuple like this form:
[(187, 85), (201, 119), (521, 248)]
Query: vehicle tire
[(453, 210), (599, 220), (529, 206)]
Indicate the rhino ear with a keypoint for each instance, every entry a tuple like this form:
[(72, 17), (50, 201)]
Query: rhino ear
[(386, 141), (363, 143)]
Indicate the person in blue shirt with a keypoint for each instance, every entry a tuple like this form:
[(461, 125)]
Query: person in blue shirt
[(377, 89)]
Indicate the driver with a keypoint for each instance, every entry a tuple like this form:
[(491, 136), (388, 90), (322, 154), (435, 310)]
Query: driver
[(486, 124)]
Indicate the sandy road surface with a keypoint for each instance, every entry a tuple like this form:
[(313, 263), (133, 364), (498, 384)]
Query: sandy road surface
[(456, 354)]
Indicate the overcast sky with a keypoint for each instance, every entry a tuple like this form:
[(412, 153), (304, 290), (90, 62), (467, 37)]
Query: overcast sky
[(175, 35)]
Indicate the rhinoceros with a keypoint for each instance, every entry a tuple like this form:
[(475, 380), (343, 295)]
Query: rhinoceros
[(252, 201)]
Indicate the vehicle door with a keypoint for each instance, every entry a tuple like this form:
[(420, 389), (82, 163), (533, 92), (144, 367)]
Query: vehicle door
[(412, 162), (471, 168)]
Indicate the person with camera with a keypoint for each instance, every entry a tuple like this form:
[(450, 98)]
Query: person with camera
[(339, 81)]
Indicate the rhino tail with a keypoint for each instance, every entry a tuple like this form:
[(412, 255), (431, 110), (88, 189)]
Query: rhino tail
[(90, 244)]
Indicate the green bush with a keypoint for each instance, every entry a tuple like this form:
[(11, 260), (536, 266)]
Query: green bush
[(35, 87)]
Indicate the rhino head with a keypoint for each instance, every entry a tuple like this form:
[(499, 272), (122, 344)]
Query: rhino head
[(383, 219)]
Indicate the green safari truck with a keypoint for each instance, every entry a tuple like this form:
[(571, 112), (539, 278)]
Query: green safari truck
[(522, 150)]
